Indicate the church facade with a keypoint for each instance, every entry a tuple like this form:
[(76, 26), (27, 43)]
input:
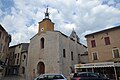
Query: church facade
[(52, 51)]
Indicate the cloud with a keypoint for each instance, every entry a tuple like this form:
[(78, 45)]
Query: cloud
[(84, 16)]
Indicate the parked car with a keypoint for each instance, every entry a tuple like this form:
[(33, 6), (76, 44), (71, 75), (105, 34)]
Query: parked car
[(87, 76), (51, 77)]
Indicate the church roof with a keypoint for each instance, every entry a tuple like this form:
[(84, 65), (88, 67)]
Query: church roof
[(46, 19)]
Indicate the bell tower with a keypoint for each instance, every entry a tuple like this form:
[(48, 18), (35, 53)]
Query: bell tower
[(46, 24), (74, 36)]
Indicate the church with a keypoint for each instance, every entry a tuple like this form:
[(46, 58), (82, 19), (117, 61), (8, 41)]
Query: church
[(51, 51)]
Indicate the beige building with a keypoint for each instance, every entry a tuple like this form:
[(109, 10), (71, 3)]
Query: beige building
[(51, 51), (104, 52), (104, 45), (5, 39), (17, 59)]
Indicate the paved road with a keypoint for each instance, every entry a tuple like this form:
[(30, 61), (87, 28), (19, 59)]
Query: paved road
[(12, 78)]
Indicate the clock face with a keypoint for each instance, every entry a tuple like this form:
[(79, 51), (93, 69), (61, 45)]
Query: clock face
[(42, 29)]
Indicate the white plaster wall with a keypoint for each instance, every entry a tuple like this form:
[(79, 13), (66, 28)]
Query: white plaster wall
[(52, 54), (49, 55)]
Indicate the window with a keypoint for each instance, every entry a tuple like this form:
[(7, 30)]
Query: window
[(79, 58), (4, 48), (80, 75), (95, 56), (58, 77), (116, 53), (73, 36), (0, 34), (23, 70), (1, 46), (92, 75), (15, 55), (64, 55), (17, 61), (52, 77), (18, 55), (3, 36), (42, 43), (93, 43), (71, 55), (107, 40), (24, 57)]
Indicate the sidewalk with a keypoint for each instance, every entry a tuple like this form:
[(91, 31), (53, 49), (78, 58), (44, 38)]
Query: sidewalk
[(12, 78)]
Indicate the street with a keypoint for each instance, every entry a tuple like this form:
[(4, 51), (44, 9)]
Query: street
[(12, 78)]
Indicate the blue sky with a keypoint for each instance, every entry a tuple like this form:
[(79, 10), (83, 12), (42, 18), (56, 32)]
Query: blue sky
[(20, 17)]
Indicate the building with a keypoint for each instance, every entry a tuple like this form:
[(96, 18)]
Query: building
[(104, 52), (17, 60), (51, 51), (104, 43), (5, 40)]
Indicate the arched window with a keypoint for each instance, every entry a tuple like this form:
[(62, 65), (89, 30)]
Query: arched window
[(64, 55), (42, 43), (24, 56), (71, 55)]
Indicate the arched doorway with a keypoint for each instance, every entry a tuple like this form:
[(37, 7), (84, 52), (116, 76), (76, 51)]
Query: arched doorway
[(40, 68)]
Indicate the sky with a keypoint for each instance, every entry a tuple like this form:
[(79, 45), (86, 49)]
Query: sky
[(20, 17)]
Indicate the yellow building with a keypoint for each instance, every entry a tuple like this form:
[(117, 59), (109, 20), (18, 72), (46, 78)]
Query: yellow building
[(104, 45), (104, 52)]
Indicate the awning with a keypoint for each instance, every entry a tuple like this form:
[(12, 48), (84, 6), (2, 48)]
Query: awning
[(98, 65)]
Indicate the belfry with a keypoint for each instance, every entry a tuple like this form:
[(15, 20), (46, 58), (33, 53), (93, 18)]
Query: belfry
[(46, 24)]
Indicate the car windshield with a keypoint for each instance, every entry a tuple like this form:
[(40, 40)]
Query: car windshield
[(80, 75), (53, 77), (92, 75), (85, 75)]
